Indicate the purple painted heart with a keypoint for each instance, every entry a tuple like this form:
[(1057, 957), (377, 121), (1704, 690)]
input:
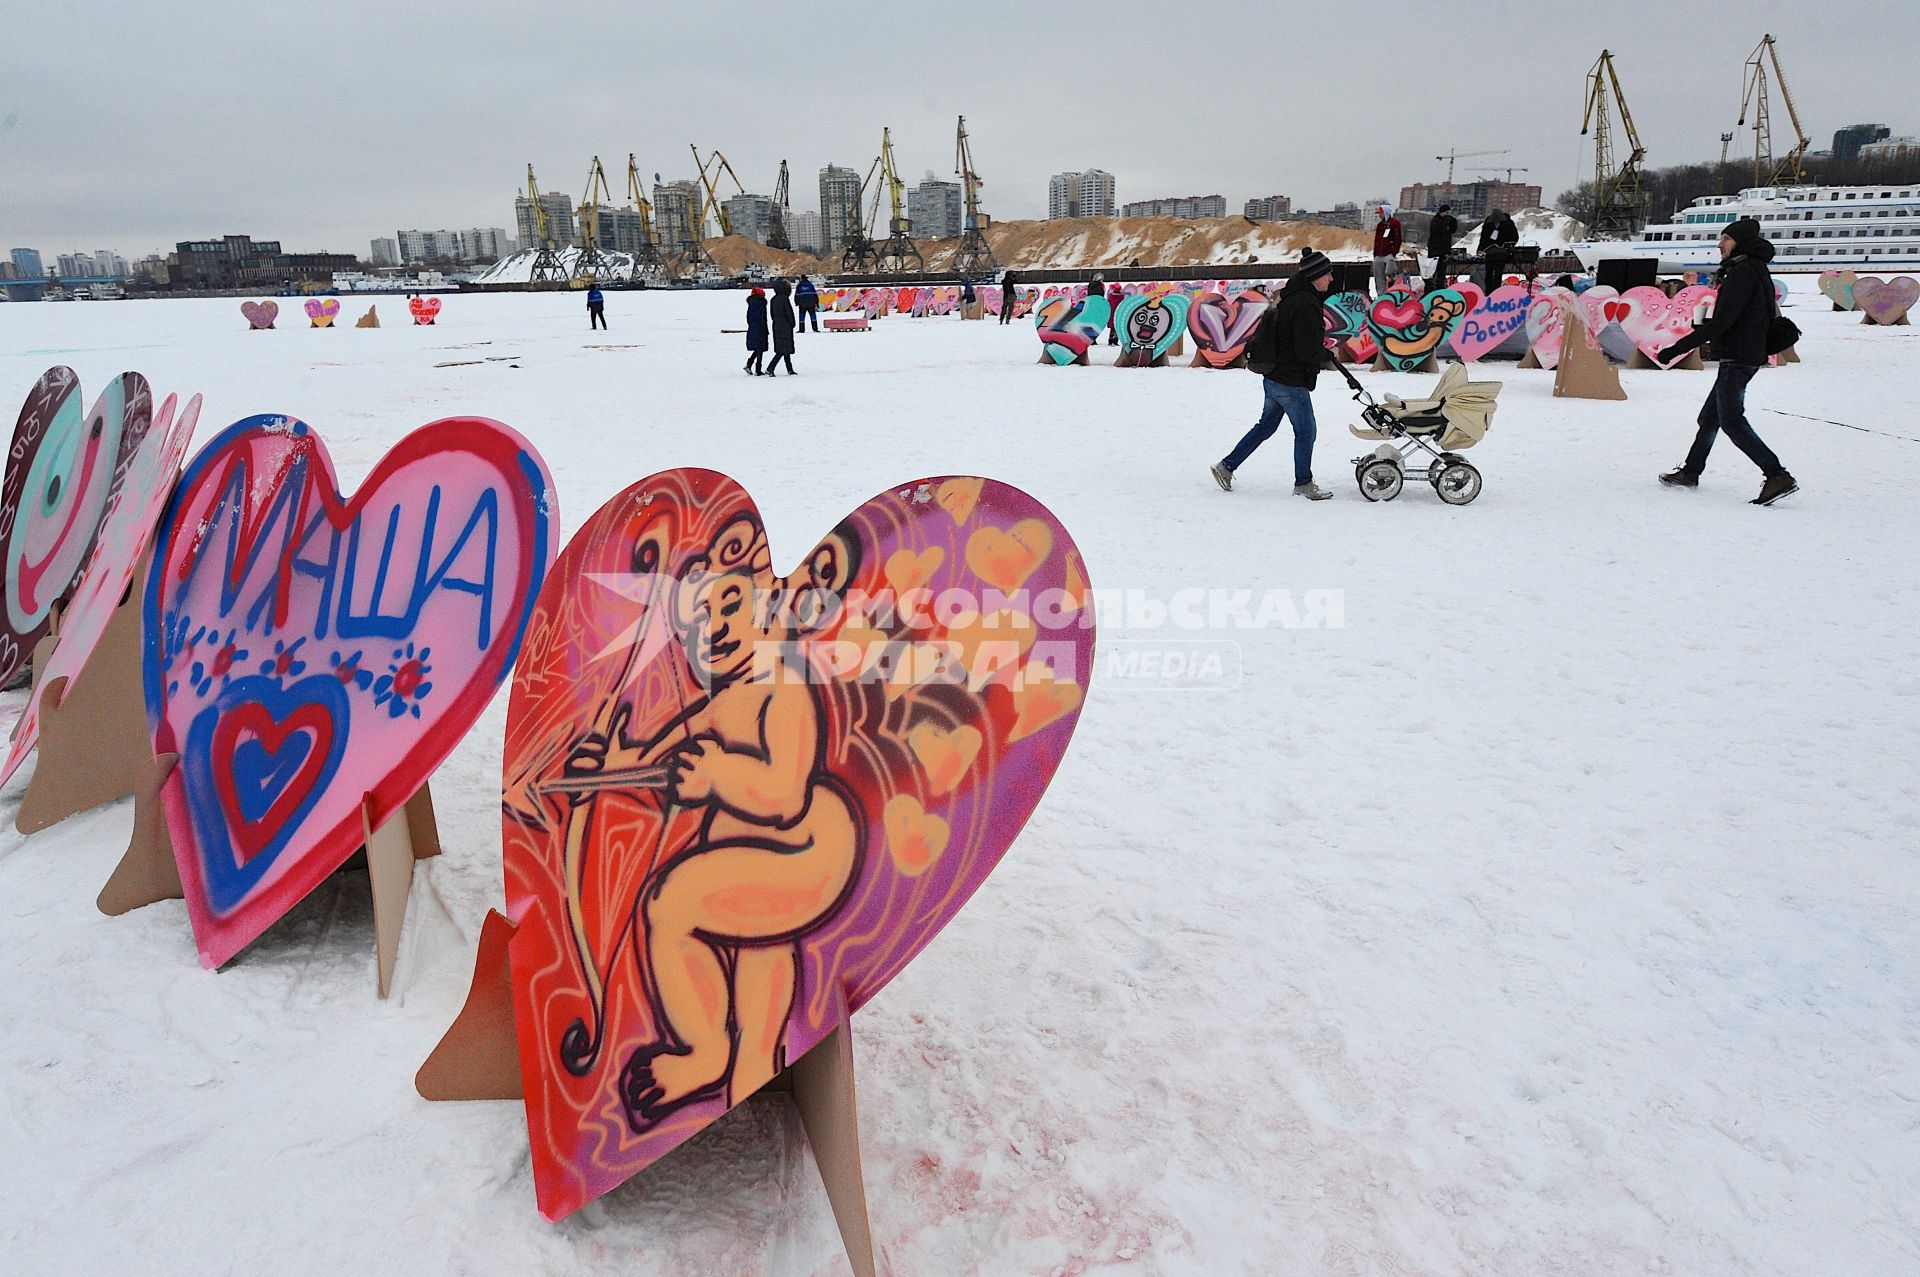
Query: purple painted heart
[(1888, 302)]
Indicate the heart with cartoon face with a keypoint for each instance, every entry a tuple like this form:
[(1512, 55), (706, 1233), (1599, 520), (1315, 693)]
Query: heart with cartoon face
[(1150, 326)]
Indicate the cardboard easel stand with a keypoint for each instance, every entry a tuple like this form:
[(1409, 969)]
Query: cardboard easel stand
[(478, 1058), (93, 727), (149, 871)]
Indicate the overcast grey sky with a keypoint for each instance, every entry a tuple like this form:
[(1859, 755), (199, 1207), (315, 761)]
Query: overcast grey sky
[(131, 126)]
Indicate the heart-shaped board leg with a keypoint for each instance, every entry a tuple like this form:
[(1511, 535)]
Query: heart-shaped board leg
[(147, 872)]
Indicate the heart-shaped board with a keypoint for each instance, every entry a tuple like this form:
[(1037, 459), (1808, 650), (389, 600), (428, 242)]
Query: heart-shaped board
[(260, 314), (1654, 321), (322, 311), (1886, 302), (62, 469), (1152, 324), (1492, 323), (304, 650), (1837, 287), (1221, 325), (1408, 329), (424, 309), (133, 510), (736, 805), (1546, 325), (1068, 329)]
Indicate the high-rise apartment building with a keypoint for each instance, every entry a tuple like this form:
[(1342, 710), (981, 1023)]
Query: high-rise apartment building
[(1268, 208), (934, 207), (28, 264), (1084, 194), (752, 216), (385, 252), (1188, 206), (559, 210), (679, 214), (807, 233), (839, 205)]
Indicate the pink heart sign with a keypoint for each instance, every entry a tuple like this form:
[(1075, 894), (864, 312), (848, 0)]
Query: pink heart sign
[(1492, 322), (1654, 321), (736, 804), (133, 508), (1546, 325), (425, 309), (305, 650), (322, 311), (261, 314), (1888, 302)]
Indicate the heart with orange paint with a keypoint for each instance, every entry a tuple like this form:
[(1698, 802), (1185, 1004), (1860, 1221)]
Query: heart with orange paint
[(759, 794)]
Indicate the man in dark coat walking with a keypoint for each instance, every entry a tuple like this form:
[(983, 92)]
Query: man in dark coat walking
[(596, 309), (756, 329), (1743, 310), (1440, 233), (1287, 348), (807, 298), (781, 313), (1009, 298)]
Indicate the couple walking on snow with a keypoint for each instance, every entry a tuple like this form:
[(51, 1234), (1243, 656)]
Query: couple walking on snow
[(782, 320)]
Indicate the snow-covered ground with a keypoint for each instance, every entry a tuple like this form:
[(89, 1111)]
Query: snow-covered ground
[(1552, 915)]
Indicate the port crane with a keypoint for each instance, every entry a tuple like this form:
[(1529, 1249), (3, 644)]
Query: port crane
[(547, 267), (1619, 203), (974, 258), (1791, 170), (858, 253), (593, 263), (899, 255), (777, 220), (647, 263)]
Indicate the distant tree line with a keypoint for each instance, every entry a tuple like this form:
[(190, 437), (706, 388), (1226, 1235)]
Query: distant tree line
[(1673, 188)]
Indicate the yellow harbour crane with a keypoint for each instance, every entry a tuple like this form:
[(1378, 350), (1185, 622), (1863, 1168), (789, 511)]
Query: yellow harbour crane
[(899, 255), (1619, 203), (547, 267), (974, 258), (1791, 170), (593, 262), (710, 170), (646, 254)]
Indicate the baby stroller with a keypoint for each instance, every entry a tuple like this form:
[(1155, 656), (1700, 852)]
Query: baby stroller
[(1454, 418)]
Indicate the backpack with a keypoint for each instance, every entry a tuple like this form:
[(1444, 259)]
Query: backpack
[(1263, 347)]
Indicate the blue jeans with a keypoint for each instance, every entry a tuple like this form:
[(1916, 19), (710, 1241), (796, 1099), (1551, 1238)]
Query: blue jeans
[(1725, 412), (1295, 403)]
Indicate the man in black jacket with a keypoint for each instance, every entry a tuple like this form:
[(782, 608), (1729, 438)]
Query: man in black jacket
[(1743, 309), (1440, 233), (1498, 235), (1287, 348)]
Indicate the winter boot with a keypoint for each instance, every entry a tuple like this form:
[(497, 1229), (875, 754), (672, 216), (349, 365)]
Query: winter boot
[(1776, 487), (1312, 492), (1222, 476), (1680, 479)]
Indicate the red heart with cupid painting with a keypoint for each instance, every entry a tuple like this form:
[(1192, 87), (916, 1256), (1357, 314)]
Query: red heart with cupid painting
[(736, 804)]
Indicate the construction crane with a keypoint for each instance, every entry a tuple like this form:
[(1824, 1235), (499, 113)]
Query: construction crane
[(1754, 98), (647, 263), (899, 255), (1509, 171), (1726, 141), (592, 263), (547, 267), (858, 253), (777, 219), (974, 258), (1451, 156), (1619, 205)]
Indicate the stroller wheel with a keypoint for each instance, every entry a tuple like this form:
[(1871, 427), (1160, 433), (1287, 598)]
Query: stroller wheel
[(1458, 483), (1433, 470), (1382, 480)]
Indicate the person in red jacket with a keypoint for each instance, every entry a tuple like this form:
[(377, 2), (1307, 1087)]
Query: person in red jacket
[(1386, 250)]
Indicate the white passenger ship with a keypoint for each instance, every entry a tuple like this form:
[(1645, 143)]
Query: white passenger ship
[(1813, 228)]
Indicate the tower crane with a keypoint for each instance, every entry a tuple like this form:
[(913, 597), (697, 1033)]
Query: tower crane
[(974, 258), (592, 263), (1451, 156), (858, 253), (646, 254), (1754, 98), (1619, 205), (777, 219), (547, 267), (899, 255)]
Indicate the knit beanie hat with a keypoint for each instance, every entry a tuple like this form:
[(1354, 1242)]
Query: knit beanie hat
[(1314, 264), (1745, 232)]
